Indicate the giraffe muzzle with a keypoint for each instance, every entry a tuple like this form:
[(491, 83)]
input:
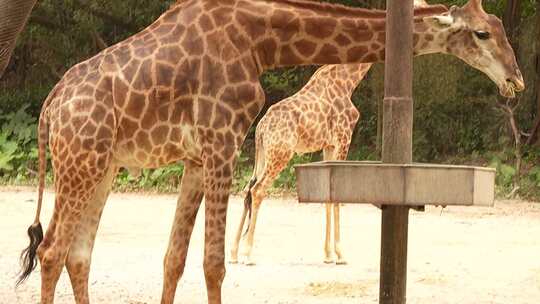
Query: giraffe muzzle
[(517, 83)]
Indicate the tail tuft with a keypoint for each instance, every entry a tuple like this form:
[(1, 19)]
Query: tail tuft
[(28, 255), (248, 201)]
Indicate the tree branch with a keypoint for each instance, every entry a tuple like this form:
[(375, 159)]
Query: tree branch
[(100, 43), (126, 25)]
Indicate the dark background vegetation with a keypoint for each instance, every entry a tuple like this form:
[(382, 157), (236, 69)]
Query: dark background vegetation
[(459, 116)]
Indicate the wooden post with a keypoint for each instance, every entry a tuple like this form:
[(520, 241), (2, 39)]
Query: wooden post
[(397, 145)]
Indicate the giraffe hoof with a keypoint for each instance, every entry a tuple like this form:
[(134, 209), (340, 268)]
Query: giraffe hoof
[(341, 262), (249, 263), (233, 261), (329, 261)]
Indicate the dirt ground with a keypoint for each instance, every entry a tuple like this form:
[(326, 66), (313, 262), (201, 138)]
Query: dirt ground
[(462, 255)]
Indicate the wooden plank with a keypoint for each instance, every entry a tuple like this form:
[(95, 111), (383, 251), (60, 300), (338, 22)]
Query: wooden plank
[(484, 188), (314, 184), (369, 185), (395, 184), (439, 186)]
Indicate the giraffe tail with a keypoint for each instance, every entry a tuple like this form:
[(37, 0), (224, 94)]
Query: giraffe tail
[(257, 171), (35, 231), (248, 200)]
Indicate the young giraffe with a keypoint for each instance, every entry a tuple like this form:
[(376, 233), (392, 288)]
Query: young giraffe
[(186, 88), (319, 117)]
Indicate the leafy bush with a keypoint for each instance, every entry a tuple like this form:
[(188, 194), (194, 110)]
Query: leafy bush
[(165, 179), (18, 145)]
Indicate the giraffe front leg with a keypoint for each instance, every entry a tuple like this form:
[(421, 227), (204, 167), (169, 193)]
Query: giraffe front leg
[(218, 171), (191, 194), (80, 252), (341, 154), (238, 236), (337, 238), (328, 258), (328, 154), (331, 153)]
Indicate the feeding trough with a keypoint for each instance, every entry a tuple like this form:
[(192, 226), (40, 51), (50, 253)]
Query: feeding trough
[(360, 182)]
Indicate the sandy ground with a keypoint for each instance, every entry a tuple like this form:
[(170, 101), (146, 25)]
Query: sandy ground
[(464, 255)]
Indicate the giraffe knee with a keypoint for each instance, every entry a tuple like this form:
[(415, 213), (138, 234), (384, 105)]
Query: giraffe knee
[(78, 262), (173, 265), (48, 258), (78, 269), (214, 274), (257, 194)]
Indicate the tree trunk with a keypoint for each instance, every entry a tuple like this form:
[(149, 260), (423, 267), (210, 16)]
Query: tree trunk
[(13, 17), (512, 22), (378, 96), (537, 84)]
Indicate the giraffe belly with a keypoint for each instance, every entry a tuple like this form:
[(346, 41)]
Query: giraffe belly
[(157, 147), (311, 147), (313, 141)]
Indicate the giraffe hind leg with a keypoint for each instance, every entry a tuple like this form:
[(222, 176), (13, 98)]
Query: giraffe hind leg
[(248, 202), (274, 165), (238, 236), (328, 257), (80, 252), (77, 175), (64, 223), (337, 237), (334, 154)]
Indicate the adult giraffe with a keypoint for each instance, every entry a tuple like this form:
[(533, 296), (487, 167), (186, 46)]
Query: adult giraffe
[(186, 88)]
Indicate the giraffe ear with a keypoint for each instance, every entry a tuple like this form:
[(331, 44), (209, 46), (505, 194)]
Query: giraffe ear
[(420, 3), (440, 21), (475, 5)]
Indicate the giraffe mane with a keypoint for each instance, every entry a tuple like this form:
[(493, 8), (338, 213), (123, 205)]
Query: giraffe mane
[(355, 12), (333, 7)]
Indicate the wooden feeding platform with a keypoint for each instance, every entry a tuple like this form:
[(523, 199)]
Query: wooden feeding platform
[(396, 188), (361, 182), (396, 184)]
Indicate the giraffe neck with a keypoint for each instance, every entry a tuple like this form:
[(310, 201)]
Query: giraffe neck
[(341, 79), (294, 32)]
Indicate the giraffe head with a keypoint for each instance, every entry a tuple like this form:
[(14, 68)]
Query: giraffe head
[(479, 39)]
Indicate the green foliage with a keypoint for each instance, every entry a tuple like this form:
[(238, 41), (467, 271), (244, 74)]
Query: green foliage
[(287, 178), (505, 174), (456, 119), (527, 184), (530, 177), (363, 153), (534, 176), (243, 173), (165, 179), (18, 144)]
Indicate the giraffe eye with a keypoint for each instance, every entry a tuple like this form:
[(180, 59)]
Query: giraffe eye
[(482, 35)]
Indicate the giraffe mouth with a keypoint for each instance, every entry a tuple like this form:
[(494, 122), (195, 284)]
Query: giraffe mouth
[(510, 87), (507, 91)]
